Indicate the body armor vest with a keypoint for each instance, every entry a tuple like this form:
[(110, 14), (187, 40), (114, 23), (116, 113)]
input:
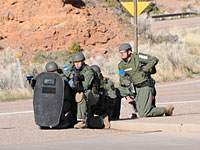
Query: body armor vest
[(133, 70)]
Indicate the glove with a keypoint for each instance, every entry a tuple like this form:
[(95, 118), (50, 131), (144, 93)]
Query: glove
[(126, 83), (130, 100)]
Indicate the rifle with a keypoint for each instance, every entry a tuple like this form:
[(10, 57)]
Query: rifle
[(77, 80), (31, 81)]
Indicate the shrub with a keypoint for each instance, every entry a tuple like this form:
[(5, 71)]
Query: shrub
[(74, 48)]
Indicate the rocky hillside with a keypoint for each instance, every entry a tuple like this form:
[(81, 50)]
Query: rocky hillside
[(30, 26)]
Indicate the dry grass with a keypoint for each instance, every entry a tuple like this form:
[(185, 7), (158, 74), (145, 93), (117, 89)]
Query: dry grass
[(15, 94), (9, 76), (108, 64), (190, 37), (178, 52)]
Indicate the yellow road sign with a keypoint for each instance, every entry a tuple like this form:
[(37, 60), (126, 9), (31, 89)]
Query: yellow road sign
[(17, 55), (140, 6)]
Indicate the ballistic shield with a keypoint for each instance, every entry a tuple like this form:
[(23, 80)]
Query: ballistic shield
[(48, 99)]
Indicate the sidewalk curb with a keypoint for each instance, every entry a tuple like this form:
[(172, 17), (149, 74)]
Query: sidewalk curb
[(146, 127)]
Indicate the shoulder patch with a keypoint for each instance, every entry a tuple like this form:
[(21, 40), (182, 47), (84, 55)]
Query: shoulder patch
[(143, 56), (66, 68)]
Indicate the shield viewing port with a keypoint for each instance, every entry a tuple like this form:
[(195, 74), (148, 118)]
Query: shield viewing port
[(49, 81)]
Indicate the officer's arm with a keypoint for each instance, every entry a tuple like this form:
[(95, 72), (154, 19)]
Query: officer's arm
[(68, 74), (88, 78), (122, 77), (111, 89), (150, 61)]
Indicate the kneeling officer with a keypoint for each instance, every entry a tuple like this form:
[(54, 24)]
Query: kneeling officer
[(87, 94)]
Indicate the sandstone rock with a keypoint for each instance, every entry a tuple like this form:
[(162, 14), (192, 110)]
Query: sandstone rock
[(12, 2), (2, 36), (102, 29), (46, 25), (98, 38)]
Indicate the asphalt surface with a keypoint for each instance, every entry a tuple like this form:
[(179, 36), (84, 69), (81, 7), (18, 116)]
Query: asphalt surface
[(126, 142), (177, 23), (18, 129)]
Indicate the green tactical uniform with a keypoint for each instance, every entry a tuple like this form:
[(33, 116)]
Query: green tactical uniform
[(90, 90), (137, 71), (108, 94)]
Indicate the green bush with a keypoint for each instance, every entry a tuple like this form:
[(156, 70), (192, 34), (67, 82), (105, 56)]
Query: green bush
[(74, 48), (153, 9), (112, 3)]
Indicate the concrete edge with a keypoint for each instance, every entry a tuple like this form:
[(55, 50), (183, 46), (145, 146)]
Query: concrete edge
[(154, 127)]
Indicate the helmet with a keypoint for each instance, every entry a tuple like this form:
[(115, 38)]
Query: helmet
[(51, 66), (125, 46), (96, 68), (78, 57)]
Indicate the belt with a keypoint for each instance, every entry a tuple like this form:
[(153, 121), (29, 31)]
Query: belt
[(143, 84)]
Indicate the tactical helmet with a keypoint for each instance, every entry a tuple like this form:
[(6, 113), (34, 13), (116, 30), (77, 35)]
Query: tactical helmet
[(78, 57), (125, 46), (96, 68), (51, 66)]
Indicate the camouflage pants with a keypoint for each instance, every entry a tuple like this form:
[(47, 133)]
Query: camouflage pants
[(84, 109), (144, 103)]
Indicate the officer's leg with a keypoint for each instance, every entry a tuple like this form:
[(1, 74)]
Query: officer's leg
[(117, 106), (82, 110), (109, 106), (93, 121), (116, 110), (144, 103)]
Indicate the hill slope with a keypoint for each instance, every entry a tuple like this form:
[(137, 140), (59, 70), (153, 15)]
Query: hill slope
[(35, 25)]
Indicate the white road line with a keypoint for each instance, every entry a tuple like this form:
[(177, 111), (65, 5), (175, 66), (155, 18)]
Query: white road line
[(31, 111), (178, 83), (181, 102), (14, 113)]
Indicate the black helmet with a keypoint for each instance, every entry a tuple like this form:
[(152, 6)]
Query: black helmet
[(125, 46), (96, 68), (51, 66), (78, 57)]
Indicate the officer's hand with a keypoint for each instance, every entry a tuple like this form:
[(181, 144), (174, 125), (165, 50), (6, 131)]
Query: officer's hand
[(126, 83), (130, 99)]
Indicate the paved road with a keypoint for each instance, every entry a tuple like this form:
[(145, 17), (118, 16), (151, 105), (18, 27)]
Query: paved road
[(185, 95), (140, 141), (184, 23), (17, 126)]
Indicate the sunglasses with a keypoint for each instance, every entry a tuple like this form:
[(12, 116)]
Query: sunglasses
[(77, 62)]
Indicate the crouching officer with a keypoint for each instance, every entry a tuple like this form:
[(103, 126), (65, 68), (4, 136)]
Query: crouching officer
[(87, 94), (108, 94), (53, 100), (135, 80)]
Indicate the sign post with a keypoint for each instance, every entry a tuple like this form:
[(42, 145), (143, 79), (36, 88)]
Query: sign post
[(135, 8), (136, 27), (20, 72)]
